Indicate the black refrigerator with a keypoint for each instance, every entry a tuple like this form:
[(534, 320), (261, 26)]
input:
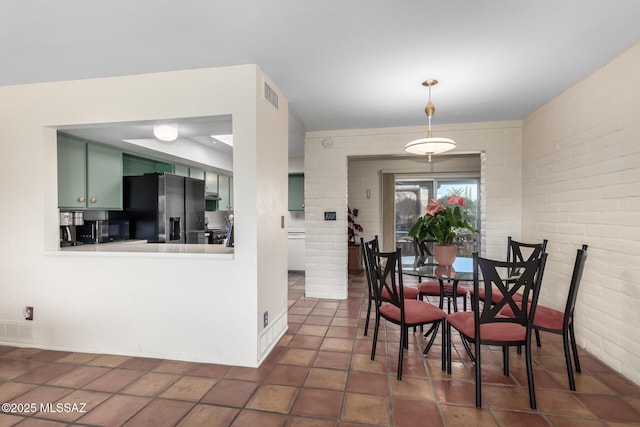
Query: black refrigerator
[(165, 208)]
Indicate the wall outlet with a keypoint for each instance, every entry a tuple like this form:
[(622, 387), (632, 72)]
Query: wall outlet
[(265, 319), (28, 313)]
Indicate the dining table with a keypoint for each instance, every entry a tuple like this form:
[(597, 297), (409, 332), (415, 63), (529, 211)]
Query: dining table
[(449, 276)]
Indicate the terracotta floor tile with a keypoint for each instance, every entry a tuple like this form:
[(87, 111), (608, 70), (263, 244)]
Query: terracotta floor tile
[(305, 341), (230, 393), (561, 403), (367, 383), (411, 388), (342, 332), (248, 418), (506, 397), (9, 390), (108, 360), (175, 367), (346, 321), (43, 394), (323, 311), (115, 411), (78, 358), (332, 379), (610, 408), (45, 373), (209, 416), (36, 422), (318, 403), (558, 421), (318, 320), (49, 355), (13, 368), (79, 376), (410, 413), (309, 422), (337, 344), (366, 409), (453, 391), (520, 419), (363, 362), (332, 359), (114, 380), (295, 356), (209, 370), (273, 398), (248, 374), (189, 388), (160, 413), (22, 353), (79, 402), (296, 318), (617, 383), (465, 416), (141, 363), (284, 341), (151, 384), (287, 375), (314, 330)]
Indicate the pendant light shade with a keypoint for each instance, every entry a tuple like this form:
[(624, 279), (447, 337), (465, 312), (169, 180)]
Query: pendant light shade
[(430, 145)]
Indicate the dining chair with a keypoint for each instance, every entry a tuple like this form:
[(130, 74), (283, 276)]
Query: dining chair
[(517, 252), (386, 270), (409, 291), (487, 326), (561, 322)]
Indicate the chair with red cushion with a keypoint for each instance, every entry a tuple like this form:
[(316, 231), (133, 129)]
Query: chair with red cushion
[(409, 292), (486, 325), (561, 322), (517, 252), (386, 272)]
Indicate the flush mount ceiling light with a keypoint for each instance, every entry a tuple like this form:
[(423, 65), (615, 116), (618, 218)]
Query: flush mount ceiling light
[(430, 145), (165, 132)]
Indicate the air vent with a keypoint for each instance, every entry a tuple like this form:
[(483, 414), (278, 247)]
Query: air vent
[(270, 95)]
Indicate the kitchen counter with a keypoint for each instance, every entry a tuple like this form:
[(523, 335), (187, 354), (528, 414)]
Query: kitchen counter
[(142, 247)]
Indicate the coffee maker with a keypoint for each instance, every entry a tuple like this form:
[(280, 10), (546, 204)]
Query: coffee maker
[(68, 223)]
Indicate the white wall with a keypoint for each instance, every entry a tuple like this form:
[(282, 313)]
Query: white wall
[(179, 307), (581, 184), (326, 189)]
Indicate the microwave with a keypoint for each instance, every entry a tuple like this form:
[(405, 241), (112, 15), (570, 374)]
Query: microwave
[(93, 232), (102, 231)]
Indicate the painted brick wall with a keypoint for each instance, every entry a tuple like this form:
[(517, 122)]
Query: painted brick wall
[(581, 184), (326, 189)]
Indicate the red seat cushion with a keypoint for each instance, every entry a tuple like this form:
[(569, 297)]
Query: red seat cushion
[(496, 296), (416, 312), (463, 321), (433, 288), (548, 318)]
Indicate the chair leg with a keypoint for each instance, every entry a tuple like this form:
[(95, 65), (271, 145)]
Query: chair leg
[(532, 388), (448, 338), (445, 349), (366, 322), (567, 359), (403, 338), (538, 338), (375, 336), (478, 376), (574, 346), (434, 332), (505, 360)]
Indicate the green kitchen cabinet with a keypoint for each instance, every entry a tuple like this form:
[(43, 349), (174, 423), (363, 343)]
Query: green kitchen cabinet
[(296, 192), (89, 175), (196, 173), (211, 182), (225, 192), (181, 170), (72, 172), (136, 165)]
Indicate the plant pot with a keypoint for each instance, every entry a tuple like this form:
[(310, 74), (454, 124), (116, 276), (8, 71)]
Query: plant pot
[(445, 254)]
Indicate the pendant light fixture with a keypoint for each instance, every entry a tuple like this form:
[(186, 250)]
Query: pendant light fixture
[(166, 132), (430, 145)]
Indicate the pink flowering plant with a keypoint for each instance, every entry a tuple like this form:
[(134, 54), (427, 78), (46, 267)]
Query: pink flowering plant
[(352, 225), (442, 222)]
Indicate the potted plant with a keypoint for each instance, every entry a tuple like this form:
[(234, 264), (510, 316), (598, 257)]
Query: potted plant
[(352, 226), (442, 222)]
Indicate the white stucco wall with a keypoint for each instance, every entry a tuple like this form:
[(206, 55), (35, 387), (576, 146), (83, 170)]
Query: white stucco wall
[(326, 189), (581, 185), (198, 308)]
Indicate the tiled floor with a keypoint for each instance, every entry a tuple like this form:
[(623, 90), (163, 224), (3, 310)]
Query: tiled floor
[(319, 375)]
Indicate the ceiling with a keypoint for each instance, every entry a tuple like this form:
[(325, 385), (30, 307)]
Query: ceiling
[(341, 64)]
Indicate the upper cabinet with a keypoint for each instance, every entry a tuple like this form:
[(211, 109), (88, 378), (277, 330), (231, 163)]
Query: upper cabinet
[(296, 192), (89, 175), (225, 192), (211, 182), (196, 173)]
